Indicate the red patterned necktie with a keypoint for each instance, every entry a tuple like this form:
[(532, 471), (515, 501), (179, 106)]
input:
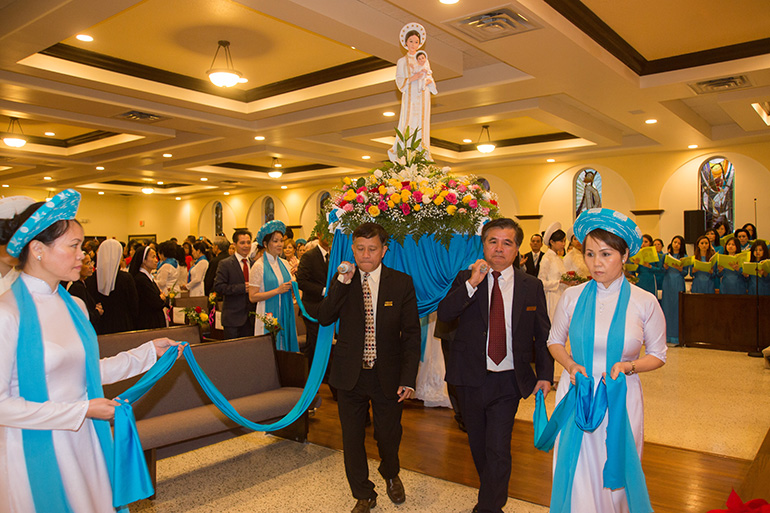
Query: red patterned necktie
[(497, 348), (245, 270)]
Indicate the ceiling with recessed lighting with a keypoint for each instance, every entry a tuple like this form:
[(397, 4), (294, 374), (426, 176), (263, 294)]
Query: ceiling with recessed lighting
[(580, 81)]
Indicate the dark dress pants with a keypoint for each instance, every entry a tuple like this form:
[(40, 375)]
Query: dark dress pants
[(247, 330), (353, 406), (488, 412), (311, 335)]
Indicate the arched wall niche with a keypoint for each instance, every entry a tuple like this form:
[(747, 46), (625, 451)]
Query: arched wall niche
[(206, 220)]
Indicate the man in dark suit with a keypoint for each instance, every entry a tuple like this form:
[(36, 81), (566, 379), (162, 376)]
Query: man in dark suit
[(311, 278), (502, 323), (375, 359), (219, 249), (533, 258), (232, 283)]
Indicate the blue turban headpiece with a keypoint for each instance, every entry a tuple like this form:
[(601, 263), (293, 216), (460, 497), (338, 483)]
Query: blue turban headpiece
[(268, 228), (611, 221), (61, 207)]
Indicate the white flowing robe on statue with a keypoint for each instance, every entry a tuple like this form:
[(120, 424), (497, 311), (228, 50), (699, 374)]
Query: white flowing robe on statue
[(551, 270), (645, 325), (81, 463), (256, 277), (415, 103)]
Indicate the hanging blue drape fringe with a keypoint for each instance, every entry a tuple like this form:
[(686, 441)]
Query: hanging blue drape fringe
[(582, 409)]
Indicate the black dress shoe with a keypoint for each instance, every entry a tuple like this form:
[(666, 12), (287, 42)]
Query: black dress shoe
[(364, 505), (395, 490), (475, 509)]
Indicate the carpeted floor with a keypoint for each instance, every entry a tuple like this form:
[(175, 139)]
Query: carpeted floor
[(256, 472)]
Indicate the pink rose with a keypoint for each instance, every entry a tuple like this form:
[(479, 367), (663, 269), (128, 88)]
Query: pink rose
[(473, 203), (360, 199), (382, 205), (417, 195), (348, 207), (462, 188), (451, 198), (452, 183), (484, 211), (405, 209), (361, 189)]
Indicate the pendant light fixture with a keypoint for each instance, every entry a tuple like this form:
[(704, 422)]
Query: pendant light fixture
[(13, 139), (485, 147), (275, 173), (227, 76)]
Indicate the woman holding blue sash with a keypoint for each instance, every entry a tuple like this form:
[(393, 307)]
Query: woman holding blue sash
[(270, 286), (607, 321), (55, 438)]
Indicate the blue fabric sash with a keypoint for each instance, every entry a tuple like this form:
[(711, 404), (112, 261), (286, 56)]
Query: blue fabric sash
[(582, 409), (281, 305), (171, 261)]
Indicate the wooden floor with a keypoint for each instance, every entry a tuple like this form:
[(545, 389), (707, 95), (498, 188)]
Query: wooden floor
[(679, 480)]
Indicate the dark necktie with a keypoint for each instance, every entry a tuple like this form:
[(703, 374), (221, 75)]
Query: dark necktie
[(370, 339), (497, 348), (245, 270)]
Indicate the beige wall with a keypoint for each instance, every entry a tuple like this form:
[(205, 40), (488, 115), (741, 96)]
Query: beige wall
[(645, 181)]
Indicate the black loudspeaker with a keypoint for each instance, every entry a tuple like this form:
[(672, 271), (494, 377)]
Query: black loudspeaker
[(694, 225)]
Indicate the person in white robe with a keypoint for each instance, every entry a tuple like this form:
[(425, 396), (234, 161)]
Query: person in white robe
[(197, 271), (273, 244), (574, 261), (167, 276), (10, 207), (48, 256), (645, 326), (411, 80), (552, 268)]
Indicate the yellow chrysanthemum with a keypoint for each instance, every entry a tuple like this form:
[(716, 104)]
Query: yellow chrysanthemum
[(395, 198), (439, 200), (451, 209), (346, 180), (383, 189), (373, 211), (417, 207), (350, 195), (204, 317), (391, 204), (467, 198), (405, 195)]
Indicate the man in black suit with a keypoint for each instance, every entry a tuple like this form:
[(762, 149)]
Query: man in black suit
[(375, 359), (219, 249), (533, 258), (502, 323), (232, 282), (311, 278)]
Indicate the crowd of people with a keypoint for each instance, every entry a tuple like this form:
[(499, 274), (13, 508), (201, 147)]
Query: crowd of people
[(577, 290)]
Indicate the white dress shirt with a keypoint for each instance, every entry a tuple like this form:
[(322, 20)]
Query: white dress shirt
[(506, 288)]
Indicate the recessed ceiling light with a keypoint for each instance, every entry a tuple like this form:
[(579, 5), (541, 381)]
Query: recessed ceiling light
[(388, 114), (284, 186), (466, 141), (227, 194), (6, 185), (693, 146), (353, 47), (160, 183), (47, 178), (550, 160), (259, 138), (167, 155), (178, 198), (100, 193), (650, 121), (84, 37), (50, 134), (148, 190), (366, 157), (100, 168), (204, 179), (449, 2)]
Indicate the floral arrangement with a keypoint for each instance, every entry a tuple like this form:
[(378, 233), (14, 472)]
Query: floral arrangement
[(412, 196), (271, 323), (196, 315), (213, 298), (736, 505), (573, 278)]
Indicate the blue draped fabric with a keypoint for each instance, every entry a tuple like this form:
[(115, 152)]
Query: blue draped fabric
[(583, 410), (281, 305)]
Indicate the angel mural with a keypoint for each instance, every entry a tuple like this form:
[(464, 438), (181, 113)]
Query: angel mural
[(414, 79)]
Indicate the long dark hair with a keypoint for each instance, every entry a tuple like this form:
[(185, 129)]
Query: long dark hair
[(682, 250), (765, 253), (709, 253)]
